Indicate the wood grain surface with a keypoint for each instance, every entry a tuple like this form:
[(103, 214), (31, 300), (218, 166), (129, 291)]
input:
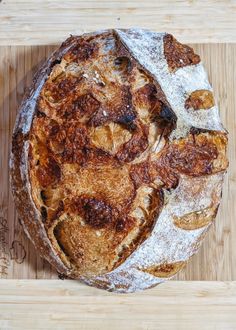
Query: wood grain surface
[(53, 304), (49, 303), (33, 22), (18, 258)]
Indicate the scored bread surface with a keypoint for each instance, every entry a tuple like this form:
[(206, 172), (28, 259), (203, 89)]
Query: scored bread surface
[(118, 158)]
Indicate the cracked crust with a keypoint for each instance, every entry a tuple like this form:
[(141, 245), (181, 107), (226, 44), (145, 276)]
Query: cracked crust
[(121, 177)]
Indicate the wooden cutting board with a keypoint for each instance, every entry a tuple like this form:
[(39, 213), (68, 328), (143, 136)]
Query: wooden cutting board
[(31, 295), (18, 258)]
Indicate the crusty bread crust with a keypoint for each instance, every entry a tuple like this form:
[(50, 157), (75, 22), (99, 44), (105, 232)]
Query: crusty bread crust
[(118, 157)]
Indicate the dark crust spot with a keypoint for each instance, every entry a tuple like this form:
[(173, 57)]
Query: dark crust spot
[(75, 144), (146, 96), (44, 213), (177, 54), (54, 168), (48, 173), (119, 109), (197, 130), (77, 147), (123, 65), (127, 120), (82, 51), (139, 173), (43, 196), (124, 224), (84, 105), (165, 118), (96, 212), (58, 91), (40, 114), (99, 214), (190, 157), (54, 128), (62, 276), (55, 62), (135, 146)]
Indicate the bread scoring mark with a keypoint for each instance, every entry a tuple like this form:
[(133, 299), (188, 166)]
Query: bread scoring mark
[(109, 137), (177, 54), (196, 219), (200, 99), (165, 269)]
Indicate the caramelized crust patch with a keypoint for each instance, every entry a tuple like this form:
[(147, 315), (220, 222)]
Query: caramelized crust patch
[(135, 146), (200, 99), (197, 219), (95, 212), (177, 54), (56, 91), (191, 156), (83, 50), (81, 107), (165, 269)]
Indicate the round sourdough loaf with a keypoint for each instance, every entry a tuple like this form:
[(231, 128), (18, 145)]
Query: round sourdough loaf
[(118, 157)]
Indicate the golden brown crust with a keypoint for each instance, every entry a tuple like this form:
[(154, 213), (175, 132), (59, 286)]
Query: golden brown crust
[(177, 54), (83, 157), (165, 270), (100, 156), (200, 99)]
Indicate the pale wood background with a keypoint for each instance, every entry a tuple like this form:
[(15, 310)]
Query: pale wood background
[(34, 22), (29, 31), (67, 305)]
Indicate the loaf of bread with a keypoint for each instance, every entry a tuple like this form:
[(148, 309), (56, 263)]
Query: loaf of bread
[(118, 158)]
